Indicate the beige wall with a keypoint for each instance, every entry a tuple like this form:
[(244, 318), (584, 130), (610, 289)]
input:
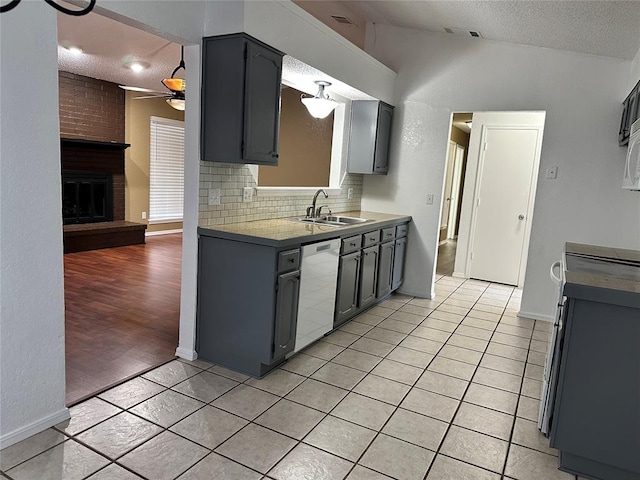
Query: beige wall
[(137, 133), (304, 145)]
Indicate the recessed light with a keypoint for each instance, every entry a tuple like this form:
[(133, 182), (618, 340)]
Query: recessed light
[(71, 48), (137, 66)]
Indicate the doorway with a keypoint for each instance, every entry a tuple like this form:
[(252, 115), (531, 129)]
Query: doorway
[(498, 194), (122, 304), (457, 153)]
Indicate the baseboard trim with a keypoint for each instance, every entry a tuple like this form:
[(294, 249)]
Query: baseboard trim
[(414, 294), (458, 275), (38, 426), (186, 353), (163, 232), (536, 316)]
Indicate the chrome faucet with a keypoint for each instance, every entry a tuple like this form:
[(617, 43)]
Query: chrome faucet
[(311, 209)]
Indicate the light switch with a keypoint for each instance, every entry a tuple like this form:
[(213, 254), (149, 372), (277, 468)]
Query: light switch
[(552, 172), (429, 198)]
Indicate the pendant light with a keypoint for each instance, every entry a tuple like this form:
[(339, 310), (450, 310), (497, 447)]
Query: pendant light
[(321, 105), (176, 85)]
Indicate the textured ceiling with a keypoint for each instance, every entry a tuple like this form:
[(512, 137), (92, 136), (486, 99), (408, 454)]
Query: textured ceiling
[(608, 28), (109, 45)]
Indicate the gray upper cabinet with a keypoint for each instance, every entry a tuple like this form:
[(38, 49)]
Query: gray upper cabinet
[(369, 137), (241, 79)]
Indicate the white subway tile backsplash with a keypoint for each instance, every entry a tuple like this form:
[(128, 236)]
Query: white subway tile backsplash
[(231, 179)]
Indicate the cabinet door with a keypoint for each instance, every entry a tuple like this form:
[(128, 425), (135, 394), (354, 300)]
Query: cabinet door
[(368, 276), (383, 136), (347, 295), (398, 262), (385, 269), (262, 105), (284, 336)]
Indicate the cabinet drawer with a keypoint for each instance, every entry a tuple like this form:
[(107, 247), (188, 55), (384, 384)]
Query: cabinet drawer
[(370, 238), (388, 234), (401, 230), (351, 244), (289, 260)]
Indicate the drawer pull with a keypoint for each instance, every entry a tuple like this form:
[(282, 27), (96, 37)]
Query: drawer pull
[(291, 260), (353, 244)]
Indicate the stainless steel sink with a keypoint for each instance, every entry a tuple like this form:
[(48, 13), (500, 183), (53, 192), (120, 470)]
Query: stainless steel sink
[(331, 220), (347, 220)]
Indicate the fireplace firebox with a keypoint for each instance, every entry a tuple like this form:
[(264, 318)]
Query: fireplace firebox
[(86, 197)]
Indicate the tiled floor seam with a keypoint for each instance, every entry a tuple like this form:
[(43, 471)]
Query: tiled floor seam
[(459, 405), (515, 415)]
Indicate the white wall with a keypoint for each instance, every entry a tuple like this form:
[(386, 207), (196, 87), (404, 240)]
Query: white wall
[(32, 375), (581, 95)]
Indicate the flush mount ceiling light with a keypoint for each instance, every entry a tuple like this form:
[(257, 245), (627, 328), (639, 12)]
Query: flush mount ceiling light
[(321, 105)]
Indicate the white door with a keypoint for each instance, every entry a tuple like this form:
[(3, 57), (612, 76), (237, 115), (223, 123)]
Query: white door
[(506, 175), (455, 192), (446, 192)]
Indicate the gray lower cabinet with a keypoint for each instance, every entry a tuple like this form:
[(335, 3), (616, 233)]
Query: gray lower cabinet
[(347, 294), (288, 289), (596, 418), (398, 262), (247, 304), (241, 82), (368, 276), (385, 269)]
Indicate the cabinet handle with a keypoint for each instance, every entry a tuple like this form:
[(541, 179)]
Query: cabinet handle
[(353, 244), (291, 260)]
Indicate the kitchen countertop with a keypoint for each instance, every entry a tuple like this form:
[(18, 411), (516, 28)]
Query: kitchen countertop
[(602, 267), (285, 232)]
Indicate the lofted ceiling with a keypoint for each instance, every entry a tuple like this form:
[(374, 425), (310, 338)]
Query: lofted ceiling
[(608, 28)]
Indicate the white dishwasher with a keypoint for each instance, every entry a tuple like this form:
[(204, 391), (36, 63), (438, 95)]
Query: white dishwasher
[(318, 282)]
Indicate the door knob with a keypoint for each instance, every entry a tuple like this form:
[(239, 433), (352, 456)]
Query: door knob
[(520, 217)]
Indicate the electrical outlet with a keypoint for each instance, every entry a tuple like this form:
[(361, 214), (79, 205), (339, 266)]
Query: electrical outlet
[(349, 193), (144, 215), (429, 198), (247, 194), (214, 196)]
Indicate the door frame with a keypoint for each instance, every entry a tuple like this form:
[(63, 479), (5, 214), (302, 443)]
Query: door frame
[(532, 193), (458, 160)]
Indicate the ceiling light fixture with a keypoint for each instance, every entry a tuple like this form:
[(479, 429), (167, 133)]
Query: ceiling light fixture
[(75, 50), (137, 67), (321, 105), (176, 85), (76, 13)]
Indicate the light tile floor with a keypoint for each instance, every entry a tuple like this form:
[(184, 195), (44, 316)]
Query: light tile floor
[(412, 389)]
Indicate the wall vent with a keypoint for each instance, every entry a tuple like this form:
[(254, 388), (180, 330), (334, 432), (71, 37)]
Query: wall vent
[(462, 32), (343, 20)]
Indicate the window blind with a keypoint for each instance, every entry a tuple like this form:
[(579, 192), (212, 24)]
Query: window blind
[(166, 172)]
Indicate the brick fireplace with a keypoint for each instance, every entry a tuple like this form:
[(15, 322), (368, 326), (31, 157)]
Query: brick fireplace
[(92, 120)]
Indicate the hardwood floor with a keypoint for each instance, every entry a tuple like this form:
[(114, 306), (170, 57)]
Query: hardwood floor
[(446, 257), (122, 309)]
